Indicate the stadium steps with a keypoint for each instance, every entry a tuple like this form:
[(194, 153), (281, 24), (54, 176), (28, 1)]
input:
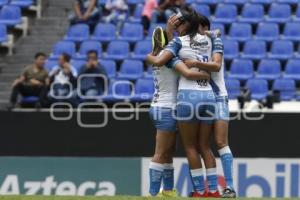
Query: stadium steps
[(43, 34)]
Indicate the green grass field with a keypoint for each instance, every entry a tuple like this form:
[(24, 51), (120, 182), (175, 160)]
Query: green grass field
[(107, 198)]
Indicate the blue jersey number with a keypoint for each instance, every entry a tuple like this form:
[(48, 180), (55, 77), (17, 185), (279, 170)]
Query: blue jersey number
[(203, 83)]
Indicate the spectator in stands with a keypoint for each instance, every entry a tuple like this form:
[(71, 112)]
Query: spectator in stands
[(150, 6), (165, 9), (63, 79), (92, 86), (118, 11), (32, 82), (85, 11)]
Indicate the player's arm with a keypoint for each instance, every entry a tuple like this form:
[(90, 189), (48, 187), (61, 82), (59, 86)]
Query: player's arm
[(170, 51), (213, 66), (191, 74), (217, 58), (159, 60)]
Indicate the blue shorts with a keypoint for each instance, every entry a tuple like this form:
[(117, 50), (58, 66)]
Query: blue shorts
[(196, 105), (163, 118), (223, 108)]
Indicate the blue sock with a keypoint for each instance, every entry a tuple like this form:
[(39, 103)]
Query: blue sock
[(227, 164), (168, 177), (212, 179), (156, 171), (198, 180)]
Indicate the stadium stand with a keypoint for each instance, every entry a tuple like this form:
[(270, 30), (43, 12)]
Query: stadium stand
[(261, 39)]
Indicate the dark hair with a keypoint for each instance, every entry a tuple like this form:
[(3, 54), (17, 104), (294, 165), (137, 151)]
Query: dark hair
[(204, 21), (92, 52), (66, 57), (38, 54), (191, 16)]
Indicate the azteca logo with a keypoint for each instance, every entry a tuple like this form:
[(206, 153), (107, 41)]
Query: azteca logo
[(12, 186)]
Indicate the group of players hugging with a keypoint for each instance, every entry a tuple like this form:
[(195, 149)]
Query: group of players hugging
[(190, 95)]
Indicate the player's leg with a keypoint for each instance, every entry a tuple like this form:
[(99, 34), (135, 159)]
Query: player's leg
[(161, 166), (221, 139), (205, 135), (188, 132)]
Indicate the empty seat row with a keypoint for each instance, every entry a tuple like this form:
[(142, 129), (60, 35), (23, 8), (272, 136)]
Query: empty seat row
[(265, 31), (254, 13), (242, 69), (255, 49), (105, 32), (259, 88), (116, 50)]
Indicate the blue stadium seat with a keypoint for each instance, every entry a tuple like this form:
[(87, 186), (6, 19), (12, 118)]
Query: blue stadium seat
[(238, 2), (258, 88), (137, 15), (149, 73), (240, 32), (104, 33), (22, 3), (141, 49), (252, 13), (254, 49), (63, 47), (291, 31), (117, 50), (135, 2), (282, 49), (267, 31), (241, 69), (212, 2), (29, 99), (3, 2), (288, 1), (286, 87), (202, 9), (119, 90), (131, 70), (10, 15), (132, 32), (87, 46), (225, 13), (269, 69), (101, 2), (190, 1), (231, 49), (292, 69), (3, 33), (218, 26), (262, 1), (78, 33), (279, 13), (49, 64), (78, 64), (144, 89), (110, 68), (297, 15), (151, 29), (233, 87)]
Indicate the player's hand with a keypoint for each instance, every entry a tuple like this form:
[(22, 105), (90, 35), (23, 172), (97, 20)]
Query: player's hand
[(206, 74), (16, 82), (190, 63), (214, 33)]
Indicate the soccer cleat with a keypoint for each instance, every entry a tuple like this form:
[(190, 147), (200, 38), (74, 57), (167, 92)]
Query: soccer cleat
[(214, 194), (197, 195), (229, 193), (169, 193), (158, 40)]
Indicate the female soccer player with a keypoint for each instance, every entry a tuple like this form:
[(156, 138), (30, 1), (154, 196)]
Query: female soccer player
[(194, 98), (220, 127), (162, 114)]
